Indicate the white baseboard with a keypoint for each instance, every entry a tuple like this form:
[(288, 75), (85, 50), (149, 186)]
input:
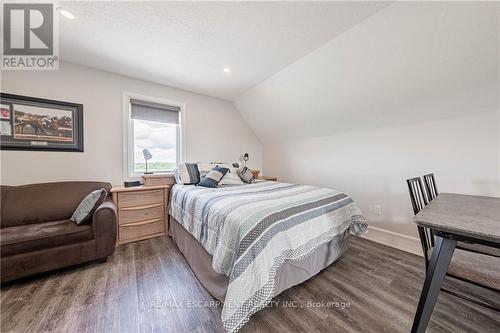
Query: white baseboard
[(393, 239)]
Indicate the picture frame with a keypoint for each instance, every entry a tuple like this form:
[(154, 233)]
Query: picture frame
[(31, 123)]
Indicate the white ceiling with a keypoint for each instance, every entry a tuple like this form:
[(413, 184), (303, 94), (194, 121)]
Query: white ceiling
[(187, 44)]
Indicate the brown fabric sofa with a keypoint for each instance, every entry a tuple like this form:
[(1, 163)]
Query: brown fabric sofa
[(37, 235)]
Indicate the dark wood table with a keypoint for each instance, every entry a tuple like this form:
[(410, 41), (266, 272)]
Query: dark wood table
[(453, 217)]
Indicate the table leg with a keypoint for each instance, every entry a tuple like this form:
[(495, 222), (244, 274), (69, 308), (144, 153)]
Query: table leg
[(438, 266)]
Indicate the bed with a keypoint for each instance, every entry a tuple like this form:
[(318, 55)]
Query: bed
[(248, 243)]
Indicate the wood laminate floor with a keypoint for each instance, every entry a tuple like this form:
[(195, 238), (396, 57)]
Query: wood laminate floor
[(148, 287)]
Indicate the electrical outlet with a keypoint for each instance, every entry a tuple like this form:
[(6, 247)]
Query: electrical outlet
[(377, 209)]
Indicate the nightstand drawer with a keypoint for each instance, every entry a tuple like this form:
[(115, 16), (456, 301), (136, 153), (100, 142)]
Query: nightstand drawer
[(141, 213), (137, 230), (140, 198)]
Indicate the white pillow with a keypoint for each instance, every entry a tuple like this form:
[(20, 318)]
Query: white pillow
[(204, 168), (231, 178)]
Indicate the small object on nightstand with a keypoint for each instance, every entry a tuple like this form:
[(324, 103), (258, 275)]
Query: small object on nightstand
[(273, 179), (255, 173), (132, 183), (142, 212)]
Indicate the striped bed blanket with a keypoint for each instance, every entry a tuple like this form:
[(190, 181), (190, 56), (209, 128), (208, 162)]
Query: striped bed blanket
[(253, 229)]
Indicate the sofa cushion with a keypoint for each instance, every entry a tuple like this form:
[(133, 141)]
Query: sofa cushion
[(32, 237), (39, 203), (87, 207)]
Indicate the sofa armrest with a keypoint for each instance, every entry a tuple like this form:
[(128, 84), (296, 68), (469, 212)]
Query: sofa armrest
[(104, 225)]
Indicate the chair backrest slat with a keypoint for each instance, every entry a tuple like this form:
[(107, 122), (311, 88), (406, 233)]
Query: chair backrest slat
[(430, 186), (417, 197)]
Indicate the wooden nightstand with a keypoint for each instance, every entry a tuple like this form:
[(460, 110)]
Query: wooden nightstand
[(142, 212), (274, 179)]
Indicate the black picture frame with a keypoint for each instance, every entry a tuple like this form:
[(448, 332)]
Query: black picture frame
[(40, 124)]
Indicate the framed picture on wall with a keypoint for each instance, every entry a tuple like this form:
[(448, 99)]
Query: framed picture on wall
[(29, 123)]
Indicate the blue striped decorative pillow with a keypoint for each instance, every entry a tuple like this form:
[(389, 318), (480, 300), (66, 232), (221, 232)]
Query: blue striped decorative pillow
[(187, 174), (213, 177)]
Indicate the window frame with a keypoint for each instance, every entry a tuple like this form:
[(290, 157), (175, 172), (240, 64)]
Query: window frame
[(128, 130)]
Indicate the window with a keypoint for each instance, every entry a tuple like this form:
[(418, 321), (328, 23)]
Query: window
[(156, 127)]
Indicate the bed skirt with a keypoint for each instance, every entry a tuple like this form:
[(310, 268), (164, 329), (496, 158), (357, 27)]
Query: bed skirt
[(289, 274)]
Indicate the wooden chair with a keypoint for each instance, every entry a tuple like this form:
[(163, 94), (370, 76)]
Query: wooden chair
[(478, 267)]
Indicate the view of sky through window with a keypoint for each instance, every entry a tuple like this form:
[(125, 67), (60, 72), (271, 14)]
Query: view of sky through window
[(161, 140)]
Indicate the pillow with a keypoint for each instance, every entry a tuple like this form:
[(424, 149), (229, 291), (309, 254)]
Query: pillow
[(231, 177), (246, 175), (227, 165), (213, 177), (88, 205), (187, 174), (204, 168), (234, 165)]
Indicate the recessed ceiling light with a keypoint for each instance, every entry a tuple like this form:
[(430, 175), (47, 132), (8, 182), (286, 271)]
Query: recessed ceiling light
[(227, 70), (66, 13)]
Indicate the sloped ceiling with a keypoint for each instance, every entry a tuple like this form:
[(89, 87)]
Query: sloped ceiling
[(188, 44), (409, 62)]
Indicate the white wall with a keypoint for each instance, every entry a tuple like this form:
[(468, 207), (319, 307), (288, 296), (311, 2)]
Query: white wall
[(408, 62), (372, 166), (214, 129), (410, 90)]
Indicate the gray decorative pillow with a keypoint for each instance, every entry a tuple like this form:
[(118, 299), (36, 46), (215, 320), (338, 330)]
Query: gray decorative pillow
[(88, 205), (246, 175)]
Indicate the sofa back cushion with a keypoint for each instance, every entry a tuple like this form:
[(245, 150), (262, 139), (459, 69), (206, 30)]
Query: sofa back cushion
[(38, 203)]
